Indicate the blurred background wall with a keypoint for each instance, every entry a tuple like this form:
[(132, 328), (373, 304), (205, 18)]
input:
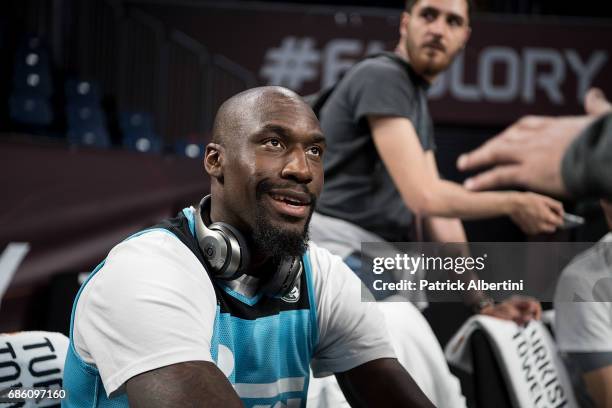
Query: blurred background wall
[(106, 105)]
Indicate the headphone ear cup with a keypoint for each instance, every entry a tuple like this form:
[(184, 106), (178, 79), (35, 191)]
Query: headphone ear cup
[(284, 280), (214, 249), (213, 244), (224, 248), (237, 255)]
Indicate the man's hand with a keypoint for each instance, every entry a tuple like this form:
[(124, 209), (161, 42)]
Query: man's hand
[(527, 154), (518, 309), (536, 214), (595, 102)]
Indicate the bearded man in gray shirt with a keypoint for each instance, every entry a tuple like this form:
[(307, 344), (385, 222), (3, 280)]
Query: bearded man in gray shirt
[(380, 168)]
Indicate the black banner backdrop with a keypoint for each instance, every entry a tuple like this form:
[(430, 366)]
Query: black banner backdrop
[(511, 66)]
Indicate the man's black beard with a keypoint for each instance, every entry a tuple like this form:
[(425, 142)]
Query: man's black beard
[(277, 242), (272, 240)]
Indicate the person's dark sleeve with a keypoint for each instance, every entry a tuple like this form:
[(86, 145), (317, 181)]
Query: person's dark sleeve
[(377, 89), (587, 164), (381, 89)]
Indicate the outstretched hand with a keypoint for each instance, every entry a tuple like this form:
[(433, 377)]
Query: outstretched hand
[(528, 154), (595, 103), (537, 214)]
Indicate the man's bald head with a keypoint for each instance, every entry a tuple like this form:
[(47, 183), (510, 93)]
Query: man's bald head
[(266, 168), (242, 112)]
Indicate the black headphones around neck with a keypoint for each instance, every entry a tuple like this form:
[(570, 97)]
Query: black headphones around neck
[(227, 256)]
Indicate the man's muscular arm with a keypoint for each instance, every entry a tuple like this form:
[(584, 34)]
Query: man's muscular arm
[(188, 384), (383, 382), (428, 195)]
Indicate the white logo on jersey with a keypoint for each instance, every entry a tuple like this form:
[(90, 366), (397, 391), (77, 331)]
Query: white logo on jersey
[(294, 295)]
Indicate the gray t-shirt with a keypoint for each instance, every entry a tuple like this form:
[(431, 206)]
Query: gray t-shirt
[(358, 187)]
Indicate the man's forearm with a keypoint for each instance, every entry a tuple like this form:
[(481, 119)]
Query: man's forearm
[(443, 229), (383, 382), (449, 199), (187, 384)]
